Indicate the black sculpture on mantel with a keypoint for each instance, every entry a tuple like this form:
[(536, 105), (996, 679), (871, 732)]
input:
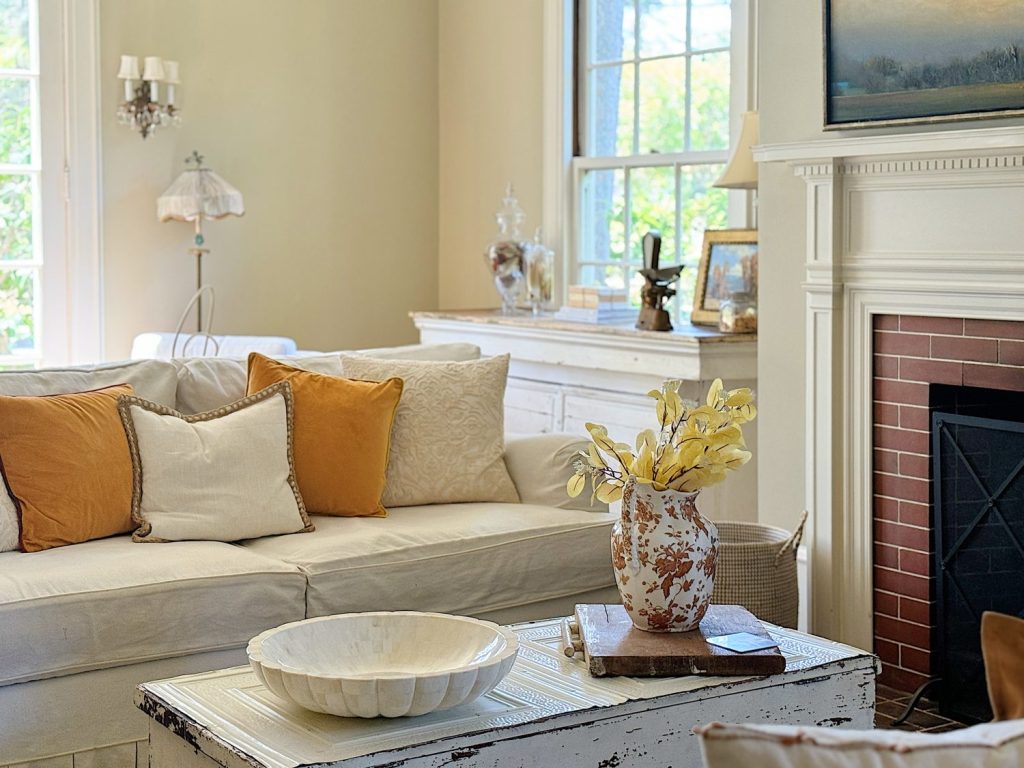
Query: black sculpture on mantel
[(656, 290)]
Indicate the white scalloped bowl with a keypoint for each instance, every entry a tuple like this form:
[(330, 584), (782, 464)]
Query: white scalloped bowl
[(384, 664)]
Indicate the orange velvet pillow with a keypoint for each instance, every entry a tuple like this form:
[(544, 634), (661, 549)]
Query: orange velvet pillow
[(342, 436), (67, 467)]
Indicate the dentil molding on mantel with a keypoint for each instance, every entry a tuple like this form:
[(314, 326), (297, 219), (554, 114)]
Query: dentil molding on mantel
[(971, 140)]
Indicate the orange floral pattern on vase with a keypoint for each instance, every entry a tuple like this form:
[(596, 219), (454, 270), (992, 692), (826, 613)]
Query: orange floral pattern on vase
[(664, 554)]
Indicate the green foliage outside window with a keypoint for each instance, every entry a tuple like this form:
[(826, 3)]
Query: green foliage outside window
[(17, 286), (662, 128)]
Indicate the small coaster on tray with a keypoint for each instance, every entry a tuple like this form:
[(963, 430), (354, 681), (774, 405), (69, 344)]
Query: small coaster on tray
[(742, 642)]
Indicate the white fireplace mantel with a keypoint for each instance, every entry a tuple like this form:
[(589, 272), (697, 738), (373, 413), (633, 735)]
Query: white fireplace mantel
[(926, 224)]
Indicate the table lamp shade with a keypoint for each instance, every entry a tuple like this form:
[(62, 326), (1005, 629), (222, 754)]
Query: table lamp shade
[(199, 193), (741, 172)]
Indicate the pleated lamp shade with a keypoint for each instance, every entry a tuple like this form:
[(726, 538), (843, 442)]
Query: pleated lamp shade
[(199, 192), (741, 172)]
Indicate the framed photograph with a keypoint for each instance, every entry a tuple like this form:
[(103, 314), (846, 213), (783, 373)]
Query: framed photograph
[(892, 62), (728, 265)]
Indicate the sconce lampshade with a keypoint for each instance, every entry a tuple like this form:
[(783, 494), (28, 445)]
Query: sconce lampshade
[(199, 192), (154, 70), (129, 68), (741, 172), (171, 72)]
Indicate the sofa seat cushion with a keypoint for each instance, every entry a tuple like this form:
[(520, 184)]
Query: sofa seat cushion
[(455, 558), (110, 602)]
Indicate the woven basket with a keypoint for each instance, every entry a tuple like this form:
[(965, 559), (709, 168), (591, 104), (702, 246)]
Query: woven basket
[(757, 569)]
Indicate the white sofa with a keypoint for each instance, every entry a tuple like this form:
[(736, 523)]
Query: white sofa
[(81, 625)]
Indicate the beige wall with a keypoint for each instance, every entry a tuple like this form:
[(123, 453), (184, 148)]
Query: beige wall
[(490, 133), (324, 114)]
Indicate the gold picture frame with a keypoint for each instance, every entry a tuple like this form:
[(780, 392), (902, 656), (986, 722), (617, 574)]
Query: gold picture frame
[(729, 258)]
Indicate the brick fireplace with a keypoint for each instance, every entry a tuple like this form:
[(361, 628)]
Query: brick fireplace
[(910, 353)]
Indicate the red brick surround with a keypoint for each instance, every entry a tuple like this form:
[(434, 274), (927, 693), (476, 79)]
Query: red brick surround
[(910, 353)]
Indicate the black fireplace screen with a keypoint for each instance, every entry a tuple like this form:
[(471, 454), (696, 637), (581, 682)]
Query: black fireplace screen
[(978, 530)]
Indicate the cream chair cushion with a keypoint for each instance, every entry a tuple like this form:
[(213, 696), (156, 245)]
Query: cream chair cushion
[(991, 745), (110, 602), (453, 558)]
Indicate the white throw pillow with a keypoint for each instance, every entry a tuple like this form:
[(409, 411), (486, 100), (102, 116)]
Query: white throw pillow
[(448, 437), (223, 475), (992, 745)]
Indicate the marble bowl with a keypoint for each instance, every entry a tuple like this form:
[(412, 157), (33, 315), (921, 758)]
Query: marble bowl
[(383, 664)]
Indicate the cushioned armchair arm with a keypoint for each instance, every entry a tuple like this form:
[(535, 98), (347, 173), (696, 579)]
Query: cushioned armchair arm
[(540, 466)]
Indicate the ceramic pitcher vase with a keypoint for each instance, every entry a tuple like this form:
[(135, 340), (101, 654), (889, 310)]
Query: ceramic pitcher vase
[(664, 554)]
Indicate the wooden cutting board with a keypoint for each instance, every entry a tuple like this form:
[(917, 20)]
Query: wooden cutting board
[(613, 646)]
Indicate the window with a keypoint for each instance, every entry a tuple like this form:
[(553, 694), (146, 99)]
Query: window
[(653, 123), (49, 183), (20, 191)]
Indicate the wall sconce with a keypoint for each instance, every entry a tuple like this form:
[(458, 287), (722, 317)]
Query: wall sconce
[(141, 108)]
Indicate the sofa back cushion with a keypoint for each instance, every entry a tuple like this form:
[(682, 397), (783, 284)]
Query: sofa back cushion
[(154, 380), (66, 464), (208, 383)]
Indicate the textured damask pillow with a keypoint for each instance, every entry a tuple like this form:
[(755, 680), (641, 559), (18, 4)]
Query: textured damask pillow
[(447, 442)]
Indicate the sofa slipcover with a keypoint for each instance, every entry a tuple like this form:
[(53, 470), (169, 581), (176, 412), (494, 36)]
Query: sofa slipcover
[(110, 602), (454, 558)]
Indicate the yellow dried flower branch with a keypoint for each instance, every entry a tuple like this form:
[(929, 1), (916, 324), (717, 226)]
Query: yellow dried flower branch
[(694, 446)]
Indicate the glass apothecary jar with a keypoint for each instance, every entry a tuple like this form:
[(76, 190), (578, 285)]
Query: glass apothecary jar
[(540, 274), (504, 255), (738, 314)]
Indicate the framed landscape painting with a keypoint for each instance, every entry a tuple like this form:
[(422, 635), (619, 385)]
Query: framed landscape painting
[(728, 265), (906, 61)]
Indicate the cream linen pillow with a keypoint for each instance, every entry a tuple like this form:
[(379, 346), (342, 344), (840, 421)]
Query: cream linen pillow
[(447, 442), (991, 745), (222, 475)]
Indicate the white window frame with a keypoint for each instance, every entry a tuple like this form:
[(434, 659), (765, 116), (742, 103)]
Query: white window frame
[(66, 183), (563, 172)]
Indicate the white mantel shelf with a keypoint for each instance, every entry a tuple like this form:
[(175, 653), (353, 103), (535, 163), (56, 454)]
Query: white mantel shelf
[(976, 141), (689, 352)]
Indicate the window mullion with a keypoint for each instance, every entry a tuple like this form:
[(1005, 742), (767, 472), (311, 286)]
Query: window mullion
[(688, 92), (627, 221), (679, 213), (637, 21)]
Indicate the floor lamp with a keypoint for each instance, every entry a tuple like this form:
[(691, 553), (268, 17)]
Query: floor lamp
[(196, 195)]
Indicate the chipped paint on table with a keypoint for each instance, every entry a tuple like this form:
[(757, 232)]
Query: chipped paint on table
[(548, 711)]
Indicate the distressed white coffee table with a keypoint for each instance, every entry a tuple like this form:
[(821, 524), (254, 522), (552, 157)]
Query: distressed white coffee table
[(548, 712)]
